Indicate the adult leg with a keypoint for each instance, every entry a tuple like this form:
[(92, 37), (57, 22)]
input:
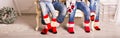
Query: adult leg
[(94, 7), (53, 12), (96, 25), (70, 26), (83, 7), (62, 11)]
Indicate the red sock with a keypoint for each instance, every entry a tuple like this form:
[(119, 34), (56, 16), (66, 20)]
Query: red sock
[(49, 26), (54, 30), (92, 18), (71, 29), (97, 28), (44, 31), (96, 20), (46, 16), (87, 29)]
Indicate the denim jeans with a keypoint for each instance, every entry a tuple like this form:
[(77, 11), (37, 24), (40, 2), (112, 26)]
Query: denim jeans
[(47, 7), (84, 8), (94, 6), (62, 11)]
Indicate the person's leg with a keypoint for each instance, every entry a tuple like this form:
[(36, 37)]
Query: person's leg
[(96, 24), (92, 5), (85, 9), (42, 20), (71, 23), (62, 11), (92, 9), (45, 18), (54, 17)]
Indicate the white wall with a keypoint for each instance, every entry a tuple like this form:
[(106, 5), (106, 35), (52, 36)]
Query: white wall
[(26, 6), (109, 1), (6, 3), (117, 15)]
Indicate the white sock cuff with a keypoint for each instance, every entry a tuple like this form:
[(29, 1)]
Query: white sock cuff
[(70, 25)]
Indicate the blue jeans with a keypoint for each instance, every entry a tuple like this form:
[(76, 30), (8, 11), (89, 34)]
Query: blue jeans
[(47, 7), (84, 8), (94, 6), (62, 11)]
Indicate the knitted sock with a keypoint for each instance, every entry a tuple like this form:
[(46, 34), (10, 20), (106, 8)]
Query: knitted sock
[(54, 25), (70, 27), (96, 26), (86, 26)]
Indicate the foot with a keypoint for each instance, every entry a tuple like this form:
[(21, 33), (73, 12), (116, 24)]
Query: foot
[(49, 26), (70, 30), (87, 29), (53, 30), (96, 27), (44, 31), (92, 17)]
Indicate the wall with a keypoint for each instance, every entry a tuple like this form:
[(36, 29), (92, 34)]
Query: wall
[(26, 6), (6, 3), (117, 15)]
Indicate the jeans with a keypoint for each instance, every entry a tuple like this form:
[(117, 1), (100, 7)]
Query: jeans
[(62, 11), (84, 8), (46, 8), (94, 6)]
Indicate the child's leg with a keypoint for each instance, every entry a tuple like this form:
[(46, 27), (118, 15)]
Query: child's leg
[(54, 21), (83, 7), (45, 18)]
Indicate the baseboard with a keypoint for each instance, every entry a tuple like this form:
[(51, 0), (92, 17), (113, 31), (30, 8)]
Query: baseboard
[(28, 14)]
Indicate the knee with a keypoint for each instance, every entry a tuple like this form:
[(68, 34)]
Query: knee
[(64, 10)]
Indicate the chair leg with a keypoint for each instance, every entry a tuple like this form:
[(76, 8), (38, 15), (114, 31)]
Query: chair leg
[(37, 17), (37, 21), (37, 27), (92, 25)]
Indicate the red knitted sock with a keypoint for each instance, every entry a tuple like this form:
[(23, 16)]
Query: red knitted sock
[(87, 29), (54, 30), (92, 18), (70, 28), (44, 31), (96, 26), (86, 26)]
